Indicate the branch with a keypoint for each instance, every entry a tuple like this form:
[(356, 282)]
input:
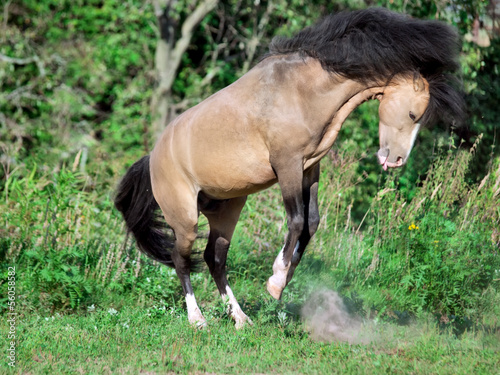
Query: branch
[(190, 23), (23, 92), (34, 59), (17, 61), (197, 16), (166, 24), (160, 6), (258, 34), (167, 60), (6, 15)]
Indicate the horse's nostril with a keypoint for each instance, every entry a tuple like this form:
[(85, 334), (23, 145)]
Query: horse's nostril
[(383, 153), (399, 161)]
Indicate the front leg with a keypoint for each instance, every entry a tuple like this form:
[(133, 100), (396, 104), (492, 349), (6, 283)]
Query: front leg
[(290, 176), (311, 214)]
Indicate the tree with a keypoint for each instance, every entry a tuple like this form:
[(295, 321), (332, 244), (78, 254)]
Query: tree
[(169, 51)]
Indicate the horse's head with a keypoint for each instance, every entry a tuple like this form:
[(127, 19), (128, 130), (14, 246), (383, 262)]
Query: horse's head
[(402, 104)]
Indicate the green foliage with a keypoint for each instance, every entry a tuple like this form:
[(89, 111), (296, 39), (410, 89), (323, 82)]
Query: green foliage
[(438, 252), (73, 118), (435, 266), (57, 278), (483, 102)]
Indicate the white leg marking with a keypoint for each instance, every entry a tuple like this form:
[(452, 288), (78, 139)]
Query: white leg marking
[(235, 310), (295, 257), (279, 279), (280, 270), (194, 313), (413, 138)]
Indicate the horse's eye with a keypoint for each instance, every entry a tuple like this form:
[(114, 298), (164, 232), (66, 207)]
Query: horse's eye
[(412, 116)]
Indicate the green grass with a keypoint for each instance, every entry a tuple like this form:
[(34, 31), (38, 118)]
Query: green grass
[(88, 302), (137, 340)]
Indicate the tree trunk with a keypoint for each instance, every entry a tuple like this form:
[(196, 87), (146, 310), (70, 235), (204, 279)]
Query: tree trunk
[(169, 53)]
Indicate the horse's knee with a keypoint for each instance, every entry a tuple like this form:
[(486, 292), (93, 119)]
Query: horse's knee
[(296, 224), (221, 248)]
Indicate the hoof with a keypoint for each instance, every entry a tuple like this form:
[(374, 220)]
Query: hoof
[(199, 324), (274, 290), (243, 323), (197, 320)]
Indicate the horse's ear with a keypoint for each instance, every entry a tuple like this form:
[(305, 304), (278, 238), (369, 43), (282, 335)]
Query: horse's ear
[(418, 82)]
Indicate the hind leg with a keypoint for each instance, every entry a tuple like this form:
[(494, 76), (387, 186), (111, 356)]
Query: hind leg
[(222, 217), (180, 210), (184, 239)]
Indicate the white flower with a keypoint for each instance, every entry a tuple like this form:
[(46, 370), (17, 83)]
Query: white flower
[(112, 311)]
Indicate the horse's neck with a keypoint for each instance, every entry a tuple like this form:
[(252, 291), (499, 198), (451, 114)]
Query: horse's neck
[(328, 98), (335, 95), (334, 98), (364, 94), (332, 128)]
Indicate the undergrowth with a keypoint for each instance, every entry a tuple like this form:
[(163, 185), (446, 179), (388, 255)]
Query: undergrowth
[(437, 252)]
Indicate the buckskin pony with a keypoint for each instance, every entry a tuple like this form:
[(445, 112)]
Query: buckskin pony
[(273, 125)]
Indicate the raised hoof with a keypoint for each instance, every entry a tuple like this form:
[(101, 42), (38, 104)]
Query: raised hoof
[(274, 290)]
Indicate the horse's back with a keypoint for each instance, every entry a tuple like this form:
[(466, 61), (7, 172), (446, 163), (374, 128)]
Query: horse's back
[(218, 145), (226, 144)]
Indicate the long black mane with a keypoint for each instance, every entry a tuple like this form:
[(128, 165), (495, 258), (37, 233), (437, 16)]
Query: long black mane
[(375, 44)]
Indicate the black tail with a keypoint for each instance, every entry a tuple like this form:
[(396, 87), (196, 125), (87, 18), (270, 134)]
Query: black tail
[(135, 200)]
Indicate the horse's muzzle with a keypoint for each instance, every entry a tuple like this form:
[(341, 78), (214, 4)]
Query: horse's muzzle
[(383, 159)]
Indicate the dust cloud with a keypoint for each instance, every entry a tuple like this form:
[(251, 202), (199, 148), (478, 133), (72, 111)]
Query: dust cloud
[(327, 319)]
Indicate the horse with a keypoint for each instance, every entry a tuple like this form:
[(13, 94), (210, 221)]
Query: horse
[(274, 125)]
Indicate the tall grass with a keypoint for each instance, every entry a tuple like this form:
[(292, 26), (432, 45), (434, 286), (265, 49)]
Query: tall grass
[(438, 252)]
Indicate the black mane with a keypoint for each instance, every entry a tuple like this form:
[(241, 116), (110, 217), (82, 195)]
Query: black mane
[(375, 44)]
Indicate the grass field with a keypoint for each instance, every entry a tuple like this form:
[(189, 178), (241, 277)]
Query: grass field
[(136, 338), (403, 275), (418, 289)]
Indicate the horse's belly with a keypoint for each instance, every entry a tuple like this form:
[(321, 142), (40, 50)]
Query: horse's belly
[(230, 180), (237, 191)]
